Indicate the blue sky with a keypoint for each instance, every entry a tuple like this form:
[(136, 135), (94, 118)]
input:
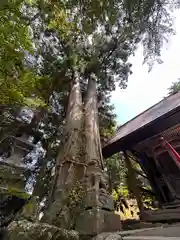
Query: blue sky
[(145, 89)]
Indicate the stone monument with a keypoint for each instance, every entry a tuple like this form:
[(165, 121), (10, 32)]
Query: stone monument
[(98, 215)]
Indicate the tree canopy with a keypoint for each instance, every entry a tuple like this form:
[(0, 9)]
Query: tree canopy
[(174, 88), (44, 42)]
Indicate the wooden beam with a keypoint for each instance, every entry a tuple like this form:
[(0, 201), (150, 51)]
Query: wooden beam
[(133, 183), (140, 173), (134, 159), (147, 191)]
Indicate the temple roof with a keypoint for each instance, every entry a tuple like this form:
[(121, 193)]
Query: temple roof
[(147, 120)]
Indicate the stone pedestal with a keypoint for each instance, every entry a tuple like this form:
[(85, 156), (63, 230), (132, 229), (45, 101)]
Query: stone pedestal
[(98, 215), (12, 177), (94, 221)]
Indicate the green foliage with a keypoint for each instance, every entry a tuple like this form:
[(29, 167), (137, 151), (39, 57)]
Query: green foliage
[(97, 36), (15, 192), (116, 171), (17, 78), (122, 190), (107, 118), (75, 197), (174, 88)]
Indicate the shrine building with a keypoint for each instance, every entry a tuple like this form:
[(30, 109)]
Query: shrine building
[(153, 139)]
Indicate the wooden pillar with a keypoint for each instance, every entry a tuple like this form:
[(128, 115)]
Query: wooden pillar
[(133, 184)]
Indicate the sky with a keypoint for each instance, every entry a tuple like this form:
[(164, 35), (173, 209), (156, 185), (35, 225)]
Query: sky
[(146, 89)]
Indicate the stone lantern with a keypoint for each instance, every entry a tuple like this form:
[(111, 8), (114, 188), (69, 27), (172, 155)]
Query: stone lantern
[(13, 175), (13, 170)]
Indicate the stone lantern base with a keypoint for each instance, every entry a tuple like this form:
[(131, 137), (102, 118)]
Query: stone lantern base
[(94, 221), (99, 215), (12, 177)]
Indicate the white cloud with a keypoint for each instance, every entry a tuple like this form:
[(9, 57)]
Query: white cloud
[(145, 89)]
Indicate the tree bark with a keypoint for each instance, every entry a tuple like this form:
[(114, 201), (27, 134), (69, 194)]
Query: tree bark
[(93, 144), (70, 150)]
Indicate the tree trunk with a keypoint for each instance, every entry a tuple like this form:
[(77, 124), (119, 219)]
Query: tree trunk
[(93, 144), (70, 151)]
